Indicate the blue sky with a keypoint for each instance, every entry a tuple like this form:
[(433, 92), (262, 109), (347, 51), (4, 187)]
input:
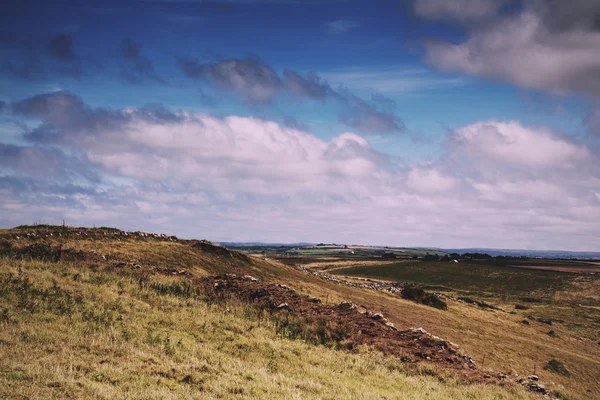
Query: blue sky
[(460, 123)]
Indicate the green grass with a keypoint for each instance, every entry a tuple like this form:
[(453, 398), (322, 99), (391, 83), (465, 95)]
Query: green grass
[(71, 331), (466, 277)]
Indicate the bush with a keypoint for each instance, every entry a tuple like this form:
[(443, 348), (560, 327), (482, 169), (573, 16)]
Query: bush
[(419, 295), (481, 304), (557, 367), (36, 251)]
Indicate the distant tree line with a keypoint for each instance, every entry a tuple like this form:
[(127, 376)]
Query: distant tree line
[(465, 256)]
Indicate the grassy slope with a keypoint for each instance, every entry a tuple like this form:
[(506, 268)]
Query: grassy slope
[(140, 362), (70, 331), (505, 342)]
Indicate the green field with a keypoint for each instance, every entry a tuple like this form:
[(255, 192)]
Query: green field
[(467, 277)]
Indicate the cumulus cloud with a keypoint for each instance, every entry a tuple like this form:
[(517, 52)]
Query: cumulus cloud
[(137, 68), (257, 83), (154, 144), (547, 45), (500, 184), (513, 144)]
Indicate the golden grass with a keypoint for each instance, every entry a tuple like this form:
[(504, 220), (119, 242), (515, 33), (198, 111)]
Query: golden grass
[(506, 344), (75, 332)]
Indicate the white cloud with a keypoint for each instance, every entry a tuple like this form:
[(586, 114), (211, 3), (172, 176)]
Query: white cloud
[(515, 145), (254, 153), (551, 46), (501, 184), (429, 180)]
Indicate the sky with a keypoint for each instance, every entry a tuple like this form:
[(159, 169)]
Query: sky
[(441, 123)]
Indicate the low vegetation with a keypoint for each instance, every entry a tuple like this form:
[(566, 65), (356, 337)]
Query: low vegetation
[(101, 313), (418, 294), (69, 331), (557, 367), (467, 277)]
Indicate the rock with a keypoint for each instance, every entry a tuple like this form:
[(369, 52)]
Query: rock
[(378, 317), (136, 266), (391, 326), (250, 278), (537, 387), (283, 306), (348, 305), (533, 378), (314, 300)]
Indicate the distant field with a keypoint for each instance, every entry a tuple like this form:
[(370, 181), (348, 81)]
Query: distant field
[(350, 251), (465, 277), (577, 266)]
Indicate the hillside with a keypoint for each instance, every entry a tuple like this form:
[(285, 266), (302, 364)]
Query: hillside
[(101, 313)]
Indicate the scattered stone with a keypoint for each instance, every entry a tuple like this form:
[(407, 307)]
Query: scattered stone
[(250, 278), (537, 387), (391, 326), (533, 378), (348, 305)]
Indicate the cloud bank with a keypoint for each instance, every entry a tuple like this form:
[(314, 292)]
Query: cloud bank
[(500, 184), (543, 45)]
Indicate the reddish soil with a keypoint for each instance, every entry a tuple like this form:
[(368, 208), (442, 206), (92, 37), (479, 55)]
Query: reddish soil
[(342, 323)]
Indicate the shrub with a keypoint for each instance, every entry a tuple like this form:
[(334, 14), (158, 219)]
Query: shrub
[(419, 295), (481, 304), (557, 367)]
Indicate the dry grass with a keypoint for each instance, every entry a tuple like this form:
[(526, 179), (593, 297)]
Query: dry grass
[(226, 354), (69, 331), (506, 344)]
